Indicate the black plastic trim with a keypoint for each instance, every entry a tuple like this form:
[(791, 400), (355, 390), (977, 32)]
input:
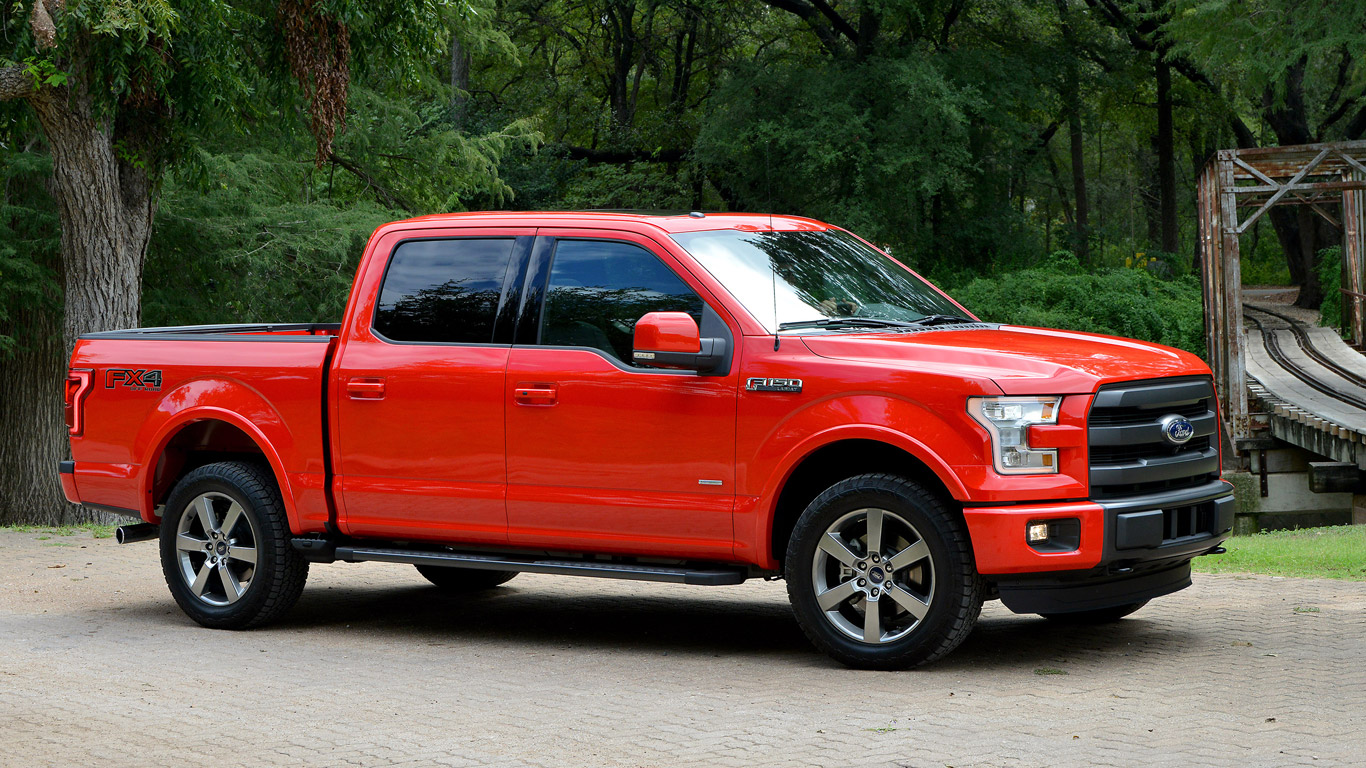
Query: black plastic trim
[(1153, 393), (716, 575), (1153, 469), (112, 509), (226, 332), (66, 467), (1092, 593), (1133, 434)]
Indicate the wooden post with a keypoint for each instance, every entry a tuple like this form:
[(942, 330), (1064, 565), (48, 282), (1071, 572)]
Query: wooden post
[(1352, 257), (1235, 391)]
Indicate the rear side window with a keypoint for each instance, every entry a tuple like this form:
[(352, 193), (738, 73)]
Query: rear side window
[(599, 289), (443, 291)]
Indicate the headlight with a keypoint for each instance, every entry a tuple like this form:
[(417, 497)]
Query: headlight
[(1008, 419)]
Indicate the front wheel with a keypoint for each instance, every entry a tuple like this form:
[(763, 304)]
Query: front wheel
[(880, 574), (225, 547)]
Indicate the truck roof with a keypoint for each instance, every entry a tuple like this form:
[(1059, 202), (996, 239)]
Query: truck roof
[(666, 221)]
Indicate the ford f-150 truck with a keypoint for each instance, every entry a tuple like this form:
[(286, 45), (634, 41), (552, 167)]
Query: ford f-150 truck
[(693, 398)]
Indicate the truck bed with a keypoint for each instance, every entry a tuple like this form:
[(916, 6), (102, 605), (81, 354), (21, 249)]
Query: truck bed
[(156, 393)]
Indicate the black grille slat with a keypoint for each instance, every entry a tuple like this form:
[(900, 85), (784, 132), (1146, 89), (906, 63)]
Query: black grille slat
[(1183, 522), (1125, 460)]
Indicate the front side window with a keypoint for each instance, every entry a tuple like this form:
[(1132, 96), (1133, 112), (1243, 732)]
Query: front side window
[(815, 279), (599, 289), (443, 291)]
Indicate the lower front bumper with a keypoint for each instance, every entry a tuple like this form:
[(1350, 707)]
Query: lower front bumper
[(1117, 543)]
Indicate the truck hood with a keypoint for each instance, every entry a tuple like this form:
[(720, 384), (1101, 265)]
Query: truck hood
[(1020, 360)]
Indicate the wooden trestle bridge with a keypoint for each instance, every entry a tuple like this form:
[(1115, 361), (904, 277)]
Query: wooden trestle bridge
[(1281, 380)]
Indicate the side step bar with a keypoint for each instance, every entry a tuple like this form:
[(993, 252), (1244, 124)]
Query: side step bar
[(711, 577)]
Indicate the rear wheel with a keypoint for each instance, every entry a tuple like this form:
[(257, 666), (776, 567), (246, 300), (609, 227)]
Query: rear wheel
[(880, 574), (1098, 616), (225, 548), (464, 579)]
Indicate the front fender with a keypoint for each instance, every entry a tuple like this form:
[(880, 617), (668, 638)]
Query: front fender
[(899, 422)]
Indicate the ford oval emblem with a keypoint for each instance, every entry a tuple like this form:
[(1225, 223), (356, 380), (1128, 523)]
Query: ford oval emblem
[(1178, 430)]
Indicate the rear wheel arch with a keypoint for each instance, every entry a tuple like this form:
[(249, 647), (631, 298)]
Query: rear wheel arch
[(835, 461), (197, 439)]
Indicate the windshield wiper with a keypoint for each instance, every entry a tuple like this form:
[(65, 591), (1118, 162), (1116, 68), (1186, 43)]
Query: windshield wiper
[(846, 322), (942, 320)]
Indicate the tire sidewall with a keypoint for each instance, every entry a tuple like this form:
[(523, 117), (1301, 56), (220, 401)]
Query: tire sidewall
[(250, 604), (930, 519)]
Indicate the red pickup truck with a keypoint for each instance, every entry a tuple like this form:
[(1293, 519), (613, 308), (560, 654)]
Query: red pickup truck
[(692, 398)]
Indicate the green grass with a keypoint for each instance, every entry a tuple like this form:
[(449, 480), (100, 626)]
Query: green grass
[(48, 531), (1323, 553)]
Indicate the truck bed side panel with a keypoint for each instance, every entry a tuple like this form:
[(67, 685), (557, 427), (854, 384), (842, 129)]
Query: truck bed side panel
[(146, 391)]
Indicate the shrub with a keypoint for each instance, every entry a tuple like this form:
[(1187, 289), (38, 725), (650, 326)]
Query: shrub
[(1121, 302)]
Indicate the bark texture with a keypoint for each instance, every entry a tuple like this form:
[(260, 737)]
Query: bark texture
[(105, 204)]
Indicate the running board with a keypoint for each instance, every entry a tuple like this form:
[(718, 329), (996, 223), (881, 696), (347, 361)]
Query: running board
[(710, 577)]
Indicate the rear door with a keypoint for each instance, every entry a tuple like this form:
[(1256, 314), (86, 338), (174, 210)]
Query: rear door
[(603, 455), (418, 387)]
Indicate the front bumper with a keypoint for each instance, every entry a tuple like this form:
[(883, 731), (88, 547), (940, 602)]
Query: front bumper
[(1126, 550)]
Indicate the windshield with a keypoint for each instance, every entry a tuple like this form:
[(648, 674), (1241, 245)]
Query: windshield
[(827, 279)]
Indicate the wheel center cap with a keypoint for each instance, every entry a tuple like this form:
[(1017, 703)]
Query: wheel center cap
[(222, 548), (876, 575)]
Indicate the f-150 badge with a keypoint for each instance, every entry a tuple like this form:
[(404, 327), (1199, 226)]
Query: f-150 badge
[(774, 385)]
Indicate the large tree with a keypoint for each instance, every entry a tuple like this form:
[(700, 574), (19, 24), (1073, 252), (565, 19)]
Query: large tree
[(115, 86)]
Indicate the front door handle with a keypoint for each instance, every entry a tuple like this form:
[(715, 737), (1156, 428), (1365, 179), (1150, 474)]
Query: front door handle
[(365, 388), (536, 394)]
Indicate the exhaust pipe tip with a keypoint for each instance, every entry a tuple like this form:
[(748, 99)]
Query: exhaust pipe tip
[(127, 534)]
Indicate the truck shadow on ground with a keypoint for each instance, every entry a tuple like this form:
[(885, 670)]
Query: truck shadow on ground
[(717, 623), (649, 622)]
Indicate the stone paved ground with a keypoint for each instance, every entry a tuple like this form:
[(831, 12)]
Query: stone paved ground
[(375, 668)]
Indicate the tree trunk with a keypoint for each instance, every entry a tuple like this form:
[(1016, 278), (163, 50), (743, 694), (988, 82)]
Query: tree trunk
[(1081, 221), (1166, 159), (460, 81), (105, 206), (32, 433)]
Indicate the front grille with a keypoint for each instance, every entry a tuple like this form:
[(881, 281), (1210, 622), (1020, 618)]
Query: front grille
[(1129, 454)]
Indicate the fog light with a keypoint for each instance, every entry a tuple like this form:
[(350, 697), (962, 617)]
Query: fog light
[(1037, 532)]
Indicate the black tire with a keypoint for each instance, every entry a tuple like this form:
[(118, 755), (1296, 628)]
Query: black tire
[(464, 579), (943, 578), (1098, 616), (268, 587)]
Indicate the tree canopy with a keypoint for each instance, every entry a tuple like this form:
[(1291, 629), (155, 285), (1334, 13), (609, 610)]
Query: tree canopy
[(193, 161)]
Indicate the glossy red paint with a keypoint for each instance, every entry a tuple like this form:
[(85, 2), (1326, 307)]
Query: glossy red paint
[(567, 448), (999, 545), (667, 332)]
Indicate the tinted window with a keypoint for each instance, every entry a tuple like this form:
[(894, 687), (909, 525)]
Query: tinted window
[(598, 290), (443, 290)]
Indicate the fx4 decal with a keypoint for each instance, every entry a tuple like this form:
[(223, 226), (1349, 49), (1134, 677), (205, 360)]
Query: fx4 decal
[(139, 380)]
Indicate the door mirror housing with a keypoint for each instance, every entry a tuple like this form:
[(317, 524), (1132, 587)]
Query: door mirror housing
[(671, 340)]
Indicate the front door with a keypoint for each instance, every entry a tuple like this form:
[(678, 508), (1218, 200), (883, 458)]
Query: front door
[(603, 455), (418, 388)]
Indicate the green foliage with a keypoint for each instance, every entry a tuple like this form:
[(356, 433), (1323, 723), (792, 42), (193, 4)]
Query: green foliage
[(1337, 552), (866, 145), (1330, 277), (28, 245), (252, 240), (1120, 302)]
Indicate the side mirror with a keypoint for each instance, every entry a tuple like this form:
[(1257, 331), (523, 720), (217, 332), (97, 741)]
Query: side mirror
[(671, 340)]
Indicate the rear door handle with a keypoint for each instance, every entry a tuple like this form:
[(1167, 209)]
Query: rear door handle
[(365, 388), (536, 394)]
